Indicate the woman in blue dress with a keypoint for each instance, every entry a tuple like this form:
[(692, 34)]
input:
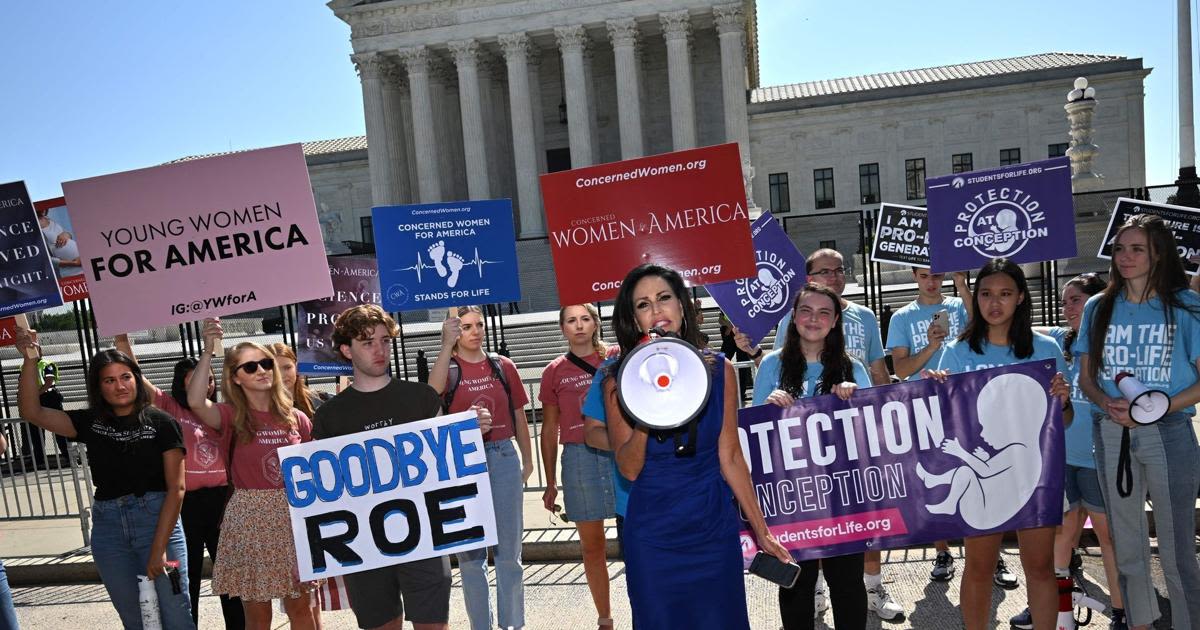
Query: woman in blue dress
[(683, 559)]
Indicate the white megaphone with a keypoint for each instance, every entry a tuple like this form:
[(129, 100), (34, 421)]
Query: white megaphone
[(1146, 406), (663, 383)]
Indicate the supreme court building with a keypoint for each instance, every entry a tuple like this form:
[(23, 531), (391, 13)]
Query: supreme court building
[(473, 99)]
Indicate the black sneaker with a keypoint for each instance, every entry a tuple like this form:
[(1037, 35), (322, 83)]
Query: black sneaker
[(1118, 620), (1023, 620), (1076, 561), (1004, 578), (943, 567)]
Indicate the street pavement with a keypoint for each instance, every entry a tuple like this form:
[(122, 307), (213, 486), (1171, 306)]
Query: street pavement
[(557, 597)]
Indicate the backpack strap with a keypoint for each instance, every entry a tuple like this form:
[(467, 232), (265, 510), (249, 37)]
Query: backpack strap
[(498, 374), (580, 363), (453, 374)]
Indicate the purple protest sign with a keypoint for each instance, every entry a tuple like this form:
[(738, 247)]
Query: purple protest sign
[(756, 304), (1023, 212), (908, 464), (355, 281)]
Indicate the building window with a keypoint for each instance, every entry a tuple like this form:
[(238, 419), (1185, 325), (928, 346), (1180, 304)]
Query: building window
[(962, 163), (823, 187), (1010, 156), (781, 199), (914, 178), (1058, 150), (868, 183), (368, 235), (828, 245)]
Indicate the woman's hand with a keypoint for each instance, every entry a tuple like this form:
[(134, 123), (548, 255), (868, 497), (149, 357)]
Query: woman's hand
[(844, 390), (1118, 410), (25, 340), (1059, 388), (485, 418), (157, 564), (937, 375), (743, 341), (212, 333), (451, 331), (62, 239), (768, 544), (549, 497), (781, 398), (937, 334)]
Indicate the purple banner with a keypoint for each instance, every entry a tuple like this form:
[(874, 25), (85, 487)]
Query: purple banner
[(1023, 212), (756, 304), (355, 281), (908, 464)]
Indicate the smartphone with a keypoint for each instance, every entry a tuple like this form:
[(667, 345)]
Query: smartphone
[(941, 319), (772, 569)]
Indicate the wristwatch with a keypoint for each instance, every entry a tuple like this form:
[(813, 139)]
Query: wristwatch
[(757, 354)]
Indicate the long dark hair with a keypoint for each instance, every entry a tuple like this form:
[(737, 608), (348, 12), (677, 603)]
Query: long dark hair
[(1089, 284), (1167, 279), (1020, 329), (96, 402), (837, 367), (179, 381), (624, 320)]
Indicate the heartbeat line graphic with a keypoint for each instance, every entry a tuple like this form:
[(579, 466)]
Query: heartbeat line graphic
[(477, 262)]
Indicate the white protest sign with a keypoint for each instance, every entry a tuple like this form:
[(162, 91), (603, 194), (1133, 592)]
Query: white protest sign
[(382, 497)]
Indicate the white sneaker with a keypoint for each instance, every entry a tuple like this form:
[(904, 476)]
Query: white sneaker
[(882, 604), (820, 600)]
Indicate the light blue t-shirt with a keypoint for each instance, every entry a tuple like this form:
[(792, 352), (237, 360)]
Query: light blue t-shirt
[(909, 327), (1078, 436), (860, 327), (593, 407), (959, 357), (767, 379), (1139, 341)]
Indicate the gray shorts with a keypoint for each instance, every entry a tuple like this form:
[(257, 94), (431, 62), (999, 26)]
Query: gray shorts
[(419, 591)]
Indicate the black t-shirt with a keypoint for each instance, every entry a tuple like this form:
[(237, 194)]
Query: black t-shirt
[(396, 403), (126, 456)]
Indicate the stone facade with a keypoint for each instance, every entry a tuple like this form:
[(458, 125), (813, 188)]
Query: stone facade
[(473, 99)]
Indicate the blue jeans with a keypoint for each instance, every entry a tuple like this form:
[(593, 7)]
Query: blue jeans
[(8, 614), (504, 471), (122, 534), (1163, 457)]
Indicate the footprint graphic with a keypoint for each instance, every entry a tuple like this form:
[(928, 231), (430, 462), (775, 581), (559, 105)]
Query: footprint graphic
[(435, 253), (454, 262)]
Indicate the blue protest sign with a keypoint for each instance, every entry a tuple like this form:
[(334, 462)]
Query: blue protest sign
[(908, 464), (1023, 212), (28, 282), (446, 254), (756, 304)]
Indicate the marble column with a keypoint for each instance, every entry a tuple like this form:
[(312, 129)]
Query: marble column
[(571, 41), (394, 87), (370, 68), (1187, 125), (677, 27), (535, 101), (731, 29), (623, 34), (516, 48), (416, 61), (474, 141)]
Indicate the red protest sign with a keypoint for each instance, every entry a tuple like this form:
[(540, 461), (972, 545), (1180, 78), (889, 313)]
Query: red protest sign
[(685, 210), (8, 331)]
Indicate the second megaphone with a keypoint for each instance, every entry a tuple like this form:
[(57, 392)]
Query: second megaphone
[(1146, 406), (663, 383)]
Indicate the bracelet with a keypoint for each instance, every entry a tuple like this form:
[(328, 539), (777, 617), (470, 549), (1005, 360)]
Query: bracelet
[(757, 354)]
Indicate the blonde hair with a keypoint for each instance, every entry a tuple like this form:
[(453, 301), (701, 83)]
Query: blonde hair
[(597, 343), (463, 310), (281, 402), (300, 392)]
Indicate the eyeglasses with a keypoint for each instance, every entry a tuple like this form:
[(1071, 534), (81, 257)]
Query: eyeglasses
[(559, 514), (826, 273), (251, 367)]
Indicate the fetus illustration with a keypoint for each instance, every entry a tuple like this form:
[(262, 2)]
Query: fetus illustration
[(989, 488)]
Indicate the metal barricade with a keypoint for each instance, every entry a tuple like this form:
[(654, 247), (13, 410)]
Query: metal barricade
[(39, 479)]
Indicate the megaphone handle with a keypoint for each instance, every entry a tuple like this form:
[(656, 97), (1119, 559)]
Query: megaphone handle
[(1124, 467)]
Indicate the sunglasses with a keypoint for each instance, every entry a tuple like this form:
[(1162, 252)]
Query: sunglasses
[(558, 513), (251, 367)]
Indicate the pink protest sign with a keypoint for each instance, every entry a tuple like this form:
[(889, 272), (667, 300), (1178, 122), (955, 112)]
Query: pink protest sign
[(201, 238)]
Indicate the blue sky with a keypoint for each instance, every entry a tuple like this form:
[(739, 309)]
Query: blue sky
[(95, 88)]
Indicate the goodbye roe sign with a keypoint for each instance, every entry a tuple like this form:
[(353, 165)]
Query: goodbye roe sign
[(1023, 212), (200, 238), (685, 210), (397, 494), (909, 463)]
